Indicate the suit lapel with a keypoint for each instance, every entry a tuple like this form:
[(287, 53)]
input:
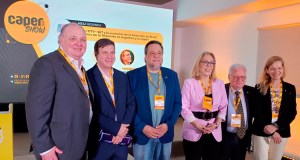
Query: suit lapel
[(71, 72), (101, 83), (116, 85), (167, 82), (144, 83), (246, 97), (198, 89)]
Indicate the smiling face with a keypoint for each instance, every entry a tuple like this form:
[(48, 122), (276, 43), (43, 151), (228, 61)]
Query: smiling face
[(106, 57), (73, 41), (276, 70), (154, 57), (207, 64), (237, 78)]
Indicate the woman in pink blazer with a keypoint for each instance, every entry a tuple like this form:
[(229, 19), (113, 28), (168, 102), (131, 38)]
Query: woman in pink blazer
[(204, 106)]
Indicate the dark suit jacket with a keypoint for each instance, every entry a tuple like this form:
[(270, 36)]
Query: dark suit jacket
[(287, 111), (57, 108), (139, 84), (104, 116), (250, 95)]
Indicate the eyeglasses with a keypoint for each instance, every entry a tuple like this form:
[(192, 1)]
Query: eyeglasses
[(239, 77), (207, 63)]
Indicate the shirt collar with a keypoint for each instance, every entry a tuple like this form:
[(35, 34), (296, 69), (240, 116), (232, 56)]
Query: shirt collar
[(78, 63)]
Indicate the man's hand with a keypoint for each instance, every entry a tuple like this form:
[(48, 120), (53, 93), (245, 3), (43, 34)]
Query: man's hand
[(162, 129), (117, 139), (123, 130), (151, 132), (51, 155)]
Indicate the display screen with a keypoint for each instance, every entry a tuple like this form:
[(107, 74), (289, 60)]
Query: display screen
[(31, 28)]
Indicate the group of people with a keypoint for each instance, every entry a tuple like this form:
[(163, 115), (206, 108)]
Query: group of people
[(102, 111), (225, 121)]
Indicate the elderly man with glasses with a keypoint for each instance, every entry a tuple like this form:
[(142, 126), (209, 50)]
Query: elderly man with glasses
[(241, 102)]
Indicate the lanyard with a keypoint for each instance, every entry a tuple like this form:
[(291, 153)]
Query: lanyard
[(110, 85), (276, 98), (206, 90), (81, 77), (152, 82), (237, 99)]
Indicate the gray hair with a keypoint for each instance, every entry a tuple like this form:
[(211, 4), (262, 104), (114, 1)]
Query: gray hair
[(236, 66)]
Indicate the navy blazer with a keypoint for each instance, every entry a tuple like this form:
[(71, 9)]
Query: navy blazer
[(287, 111), (104, 109), (139, 84), (250, 95)]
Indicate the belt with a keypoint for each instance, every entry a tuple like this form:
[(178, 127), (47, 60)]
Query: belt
[(107, 138), (208, 115)]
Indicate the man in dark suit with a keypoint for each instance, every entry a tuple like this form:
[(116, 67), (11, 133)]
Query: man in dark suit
[(157, 92), (236, 130), (114, 105), (58, 104)]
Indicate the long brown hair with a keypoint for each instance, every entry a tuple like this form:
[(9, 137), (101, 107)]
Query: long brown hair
[(196, 69), (265, 78)]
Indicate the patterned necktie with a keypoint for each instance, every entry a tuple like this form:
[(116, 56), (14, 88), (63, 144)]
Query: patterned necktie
[(240, 130)]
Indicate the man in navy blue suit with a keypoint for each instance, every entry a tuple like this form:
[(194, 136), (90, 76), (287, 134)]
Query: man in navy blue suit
[(157, 93), (114, 106)]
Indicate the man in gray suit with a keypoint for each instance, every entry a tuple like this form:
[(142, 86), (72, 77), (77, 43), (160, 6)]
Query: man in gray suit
[(58, 104)]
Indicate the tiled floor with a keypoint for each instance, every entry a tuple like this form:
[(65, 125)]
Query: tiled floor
[(22, 143)]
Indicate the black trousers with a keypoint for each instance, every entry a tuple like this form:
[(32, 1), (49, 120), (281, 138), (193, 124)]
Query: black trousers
[(206, 148), (233, 147)]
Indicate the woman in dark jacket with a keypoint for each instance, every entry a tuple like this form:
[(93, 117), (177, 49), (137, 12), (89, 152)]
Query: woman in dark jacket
[(275, 112)]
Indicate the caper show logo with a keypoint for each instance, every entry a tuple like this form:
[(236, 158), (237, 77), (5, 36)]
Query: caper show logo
[(26, 22)]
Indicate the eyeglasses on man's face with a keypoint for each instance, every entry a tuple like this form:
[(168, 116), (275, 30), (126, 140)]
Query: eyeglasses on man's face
[(207, 63), (239, 77)]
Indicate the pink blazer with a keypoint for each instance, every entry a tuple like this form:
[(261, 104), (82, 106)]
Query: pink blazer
[(192, 95)]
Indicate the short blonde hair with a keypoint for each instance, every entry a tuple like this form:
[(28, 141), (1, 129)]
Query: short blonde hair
[(265, 78), (196, 68)]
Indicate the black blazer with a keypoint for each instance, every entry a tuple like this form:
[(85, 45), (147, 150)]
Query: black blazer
[(250, 95), (287, 111)]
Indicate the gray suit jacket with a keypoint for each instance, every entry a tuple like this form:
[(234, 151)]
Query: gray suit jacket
[(57, 108)]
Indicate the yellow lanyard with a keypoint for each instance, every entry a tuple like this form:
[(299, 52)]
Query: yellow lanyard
[(159, 79), (110, 86), (276, 99), (83, 77), (237, 99), (206, 90)]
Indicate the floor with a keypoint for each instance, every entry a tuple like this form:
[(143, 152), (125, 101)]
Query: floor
[(22, 144)]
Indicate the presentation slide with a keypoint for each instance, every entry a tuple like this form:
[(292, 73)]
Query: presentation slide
[(31, 28)]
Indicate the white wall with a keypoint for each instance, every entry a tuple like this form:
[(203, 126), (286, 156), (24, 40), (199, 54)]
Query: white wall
[(232, 39)]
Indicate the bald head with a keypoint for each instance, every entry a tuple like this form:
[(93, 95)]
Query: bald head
[(72, 40)]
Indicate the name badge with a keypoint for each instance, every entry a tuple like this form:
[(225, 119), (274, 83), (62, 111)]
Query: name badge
[(207, 103), (274, 117), (236, 120), (159, 102)]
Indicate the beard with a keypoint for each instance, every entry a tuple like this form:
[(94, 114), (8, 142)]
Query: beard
[(155, 67)]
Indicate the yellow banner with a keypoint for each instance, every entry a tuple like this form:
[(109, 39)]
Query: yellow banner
[(6, 136), (121, 36)]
